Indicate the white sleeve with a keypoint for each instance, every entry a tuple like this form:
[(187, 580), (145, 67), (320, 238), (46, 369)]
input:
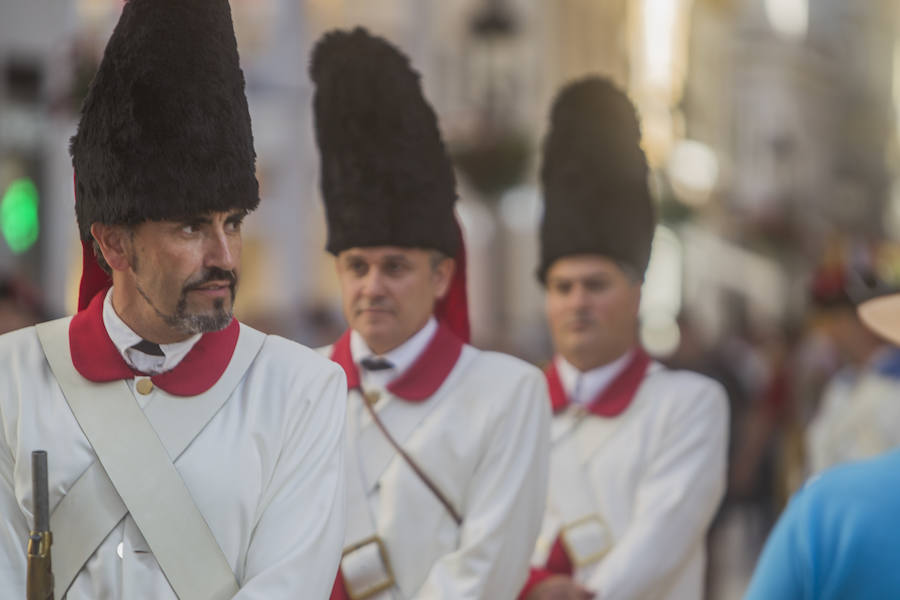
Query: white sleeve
[(504, 504), (676, 500), (819, 431), (13, 524), (296, 544), (13, 529)]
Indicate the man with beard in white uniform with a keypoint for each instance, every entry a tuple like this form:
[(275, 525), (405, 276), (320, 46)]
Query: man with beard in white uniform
[(447, 445), (637, 465), (190, 456)]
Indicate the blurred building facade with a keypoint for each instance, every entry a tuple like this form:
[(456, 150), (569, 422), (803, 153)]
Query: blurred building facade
[(798, 108), (769, 124)]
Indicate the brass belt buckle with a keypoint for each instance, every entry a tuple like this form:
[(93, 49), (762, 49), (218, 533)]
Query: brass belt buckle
[(361, 590), (574, 534)]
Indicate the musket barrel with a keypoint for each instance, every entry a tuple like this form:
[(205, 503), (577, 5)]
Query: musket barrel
[(39, 579), (41, 493)]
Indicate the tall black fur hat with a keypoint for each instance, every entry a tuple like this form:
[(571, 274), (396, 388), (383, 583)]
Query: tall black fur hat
[(165, 131), (385, 175), (594, 177)]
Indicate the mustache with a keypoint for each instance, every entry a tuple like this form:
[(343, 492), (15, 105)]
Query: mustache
[(377, 303), (212, 274), (580, 319)]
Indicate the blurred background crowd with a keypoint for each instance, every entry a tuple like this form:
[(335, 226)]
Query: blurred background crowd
[(770, 126)]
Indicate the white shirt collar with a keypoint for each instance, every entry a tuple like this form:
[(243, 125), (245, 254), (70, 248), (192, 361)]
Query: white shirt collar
[(124, 338), (582, 388), (402, 357)]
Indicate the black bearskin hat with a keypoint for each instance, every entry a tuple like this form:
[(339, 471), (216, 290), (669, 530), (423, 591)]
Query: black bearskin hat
[(594, 177), (165, 131), (385, 175)]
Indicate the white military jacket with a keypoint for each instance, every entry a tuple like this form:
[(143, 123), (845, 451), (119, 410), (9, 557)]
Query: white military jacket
[(859, 416), (266, 472), (477, 423), (649, 457)]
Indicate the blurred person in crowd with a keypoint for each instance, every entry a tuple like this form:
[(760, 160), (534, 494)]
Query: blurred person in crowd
[(447, 445), (637, 468), (190, 456), (749, 360), (858, 415), (752, 360), (19, 305), (838, 537), (767, 465)]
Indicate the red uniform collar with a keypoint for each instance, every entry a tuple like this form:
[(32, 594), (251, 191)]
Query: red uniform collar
[(96, 357), (422, 378), (615, 398)]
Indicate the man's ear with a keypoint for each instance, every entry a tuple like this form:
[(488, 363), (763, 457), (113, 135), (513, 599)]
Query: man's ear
[(443, 274), (115, 245)]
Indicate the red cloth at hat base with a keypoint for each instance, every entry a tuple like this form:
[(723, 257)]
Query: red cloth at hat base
[(93, 278), (453, 308)]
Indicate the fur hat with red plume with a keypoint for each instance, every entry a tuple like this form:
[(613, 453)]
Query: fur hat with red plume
[(165, 129)]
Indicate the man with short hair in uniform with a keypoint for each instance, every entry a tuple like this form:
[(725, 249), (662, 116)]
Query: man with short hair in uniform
[(637, 466), (450, 505), (248, 428)]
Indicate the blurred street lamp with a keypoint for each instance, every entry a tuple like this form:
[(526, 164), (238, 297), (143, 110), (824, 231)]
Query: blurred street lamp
[(492, 153)]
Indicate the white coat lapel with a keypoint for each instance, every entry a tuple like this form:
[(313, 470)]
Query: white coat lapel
[(571, 494), (578, 443), (401, 418), (592, 439), (578, 517)]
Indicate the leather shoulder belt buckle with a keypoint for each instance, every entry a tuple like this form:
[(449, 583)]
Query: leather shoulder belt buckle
[(366, 568), (586, 540)]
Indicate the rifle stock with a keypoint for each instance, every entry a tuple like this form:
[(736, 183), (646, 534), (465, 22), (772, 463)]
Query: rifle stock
[(39, 580)]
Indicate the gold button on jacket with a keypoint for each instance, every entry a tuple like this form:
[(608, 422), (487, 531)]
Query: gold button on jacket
[(144, 386)]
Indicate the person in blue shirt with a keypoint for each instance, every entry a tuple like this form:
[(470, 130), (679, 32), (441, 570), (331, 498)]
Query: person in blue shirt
[(838, 538), (840, 535)]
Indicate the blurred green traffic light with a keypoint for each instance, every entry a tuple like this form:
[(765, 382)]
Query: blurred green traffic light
[(19, 215)]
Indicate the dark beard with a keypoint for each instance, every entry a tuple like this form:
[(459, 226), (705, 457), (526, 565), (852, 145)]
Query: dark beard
[(192, 323)]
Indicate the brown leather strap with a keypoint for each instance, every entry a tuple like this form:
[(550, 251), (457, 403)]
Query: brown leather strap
[(416, 469)]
